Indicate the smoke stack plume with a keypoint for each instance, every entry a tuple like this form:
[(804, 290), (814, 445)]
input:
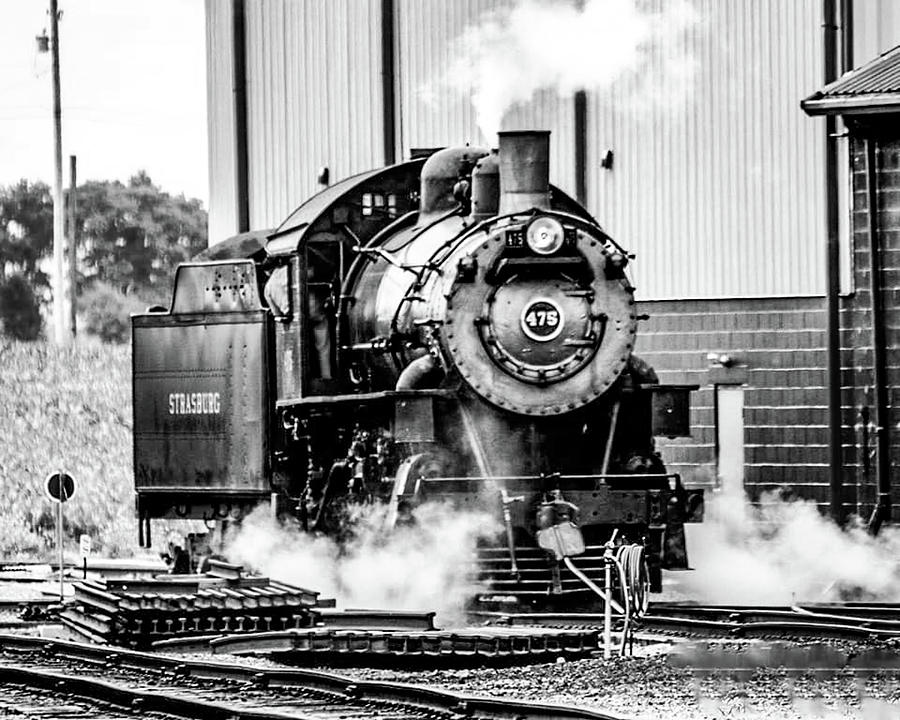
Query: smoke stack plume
[(524, 170), (509, 55)]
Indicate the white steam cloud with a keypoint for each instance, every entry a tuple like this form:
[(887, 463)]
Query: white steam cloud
[(424, 566), (784, 552), (535, 45)]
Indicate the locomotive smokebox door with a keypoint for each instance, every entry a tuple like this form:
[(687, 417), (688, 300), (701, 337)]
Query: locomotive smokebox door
[(671, 409)]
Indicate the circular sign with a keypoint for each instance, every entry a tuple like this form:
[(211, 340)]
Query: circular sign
[(542, 320), (60, 487)]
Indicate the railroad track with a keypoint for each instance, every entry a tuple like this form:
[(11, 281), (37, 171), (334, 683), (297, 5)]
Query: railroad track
[(851, 621), (22, 700), (149, 682), (809, 621)]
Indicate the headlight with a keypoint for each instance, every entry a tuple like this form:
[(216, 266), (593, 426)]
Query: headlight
[(544, 235)]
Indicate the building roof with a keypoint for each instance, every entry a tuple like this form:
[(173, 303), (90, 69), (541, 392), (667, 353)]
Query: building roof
[(872, 88)]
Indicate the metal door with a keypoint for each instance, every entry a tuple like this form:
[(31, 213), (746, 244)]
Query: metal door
[(730, 437)]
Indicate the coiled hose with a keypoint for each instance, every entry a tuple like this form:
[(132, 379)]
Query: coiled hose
[(634, 585), (635, 577)]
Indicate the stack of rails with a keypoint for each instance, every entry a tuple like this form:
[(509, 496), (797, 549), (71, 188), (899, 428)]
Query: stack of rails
[(330, 643), (136, 613)]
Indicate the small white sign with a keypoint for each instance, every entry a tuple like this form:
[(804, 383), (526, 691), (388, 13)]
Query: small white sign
[(85, 544)]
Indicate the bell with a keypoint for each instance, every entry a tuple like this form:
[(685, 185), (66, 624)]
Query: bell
[(43, 42)]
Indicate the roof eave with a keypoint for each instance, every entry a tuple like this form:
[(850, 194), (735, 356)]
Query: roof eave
[(872, 104)]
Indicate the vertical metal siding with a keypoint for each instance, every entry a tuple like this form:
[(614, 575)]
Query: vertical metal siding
[(222, 221), (720, 191), (431, 114), (314, 98), (876, 28), (435, 115)]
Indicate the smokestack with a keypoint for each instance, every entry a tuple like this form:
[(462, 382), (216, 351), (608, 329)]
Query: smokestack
[(524, 170)]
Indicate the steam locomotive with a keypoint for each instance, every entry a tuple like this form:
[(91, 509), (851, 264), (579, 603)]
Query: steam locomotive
[(450, 328)]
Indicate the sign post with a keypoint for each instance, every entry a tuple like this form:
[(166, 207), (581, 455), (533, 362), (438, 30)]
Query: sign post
[(60, 487), (84, 544)]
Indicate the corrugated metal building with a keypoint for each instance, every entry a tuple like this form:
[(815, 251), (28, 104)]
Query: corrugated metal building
[(719, 190)]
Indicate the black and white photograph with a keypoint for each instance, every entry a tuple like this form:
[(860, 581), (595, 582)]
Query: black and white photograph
[(450, 359)]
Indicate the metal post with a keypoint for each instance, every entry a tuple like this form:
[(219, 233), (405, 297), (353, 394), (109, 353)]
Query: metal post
[(607, 607), (59, 534), (62, 297)]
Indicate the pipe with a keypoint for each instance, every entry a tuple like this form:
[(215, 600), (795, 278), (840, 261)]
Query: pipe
[(846, 12), (882, 510), (387, 81), (415, 373), (239, 79), (580, 119), (613, 424), (832, 303)]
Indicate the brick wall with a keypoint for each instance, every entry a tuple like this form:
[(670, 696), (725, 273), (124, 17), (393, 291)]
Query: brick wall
[(856, 319), (779, 345)]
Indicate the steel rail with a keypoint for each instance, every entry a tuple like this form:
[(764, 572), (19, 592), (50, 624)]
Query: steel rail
[(734, 621), (411, 696), (798, 614), (795, 627), (124, 697)]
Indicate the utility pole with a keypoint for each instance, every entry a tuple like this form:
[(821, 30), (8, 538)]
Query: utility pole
[(62, 286), (72, 242)]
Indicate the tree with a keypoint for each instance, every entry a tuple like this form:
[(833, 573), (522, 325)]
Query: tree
[(26, 231), (134, 235), (107, 312), (19, 309), (130, 239)]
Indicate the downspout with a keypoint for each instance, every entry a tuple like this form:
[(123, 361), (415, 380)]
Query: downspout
[(833, 319), (882, 510), (239, 78), (581, 147), (387, 81), (847, 35), (580, 123)]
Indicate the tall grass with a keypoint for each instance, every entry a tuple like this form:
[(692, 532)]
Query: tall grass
[(65, 409)]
